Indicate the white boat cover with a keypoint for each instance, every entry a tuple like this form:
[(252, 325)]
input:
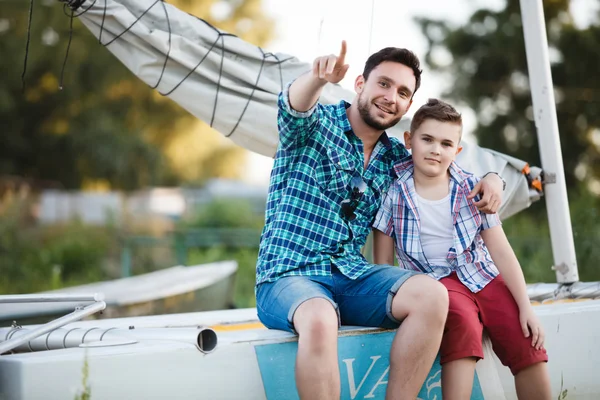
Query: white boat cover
[(152, 286), (233, 85)]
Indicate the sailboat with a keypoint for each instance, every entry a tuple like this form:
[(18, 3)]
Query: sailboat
[(228, 354)]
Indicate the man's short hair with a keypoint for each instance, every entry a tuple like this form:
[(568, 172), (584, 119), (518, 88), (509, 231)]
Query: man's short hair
[(438, 110), (398, 55)]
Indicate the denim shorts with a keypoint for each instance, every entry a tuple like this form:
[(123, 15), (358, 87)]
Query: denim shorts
[(365, 301)]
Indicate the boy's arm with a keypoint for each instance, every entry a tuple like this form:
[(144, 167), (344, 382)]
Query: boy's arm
[(505, 259), (507, 263), (383, 248), (383, 228)]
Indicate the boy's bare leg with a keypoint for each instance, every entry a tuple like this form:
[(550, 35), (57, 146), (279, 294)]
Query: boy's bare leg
[(533, 383), (457, 379), (317, 370), (422, 305)]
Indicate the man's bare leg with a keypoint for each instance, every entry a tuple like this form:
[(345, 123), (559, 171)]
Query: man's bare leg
[(422, 305), (317, 370)]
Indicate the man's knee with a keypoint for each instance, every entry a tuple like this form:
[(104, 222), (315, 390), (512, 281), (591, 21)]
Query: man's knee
[(435, 297), (316, 319), (422, 295)]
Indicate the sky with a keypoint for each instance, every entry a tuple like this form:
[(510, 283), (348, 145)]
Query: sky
[(311, 28)]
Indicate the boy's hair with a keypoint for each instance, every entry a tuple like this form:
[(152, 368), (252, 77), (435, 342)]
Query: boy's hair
[(395, 54), (437, 110)]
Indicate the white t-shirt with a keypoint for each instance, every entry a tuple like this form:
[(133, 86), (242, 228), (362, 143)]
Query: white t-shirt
[(437, 229)]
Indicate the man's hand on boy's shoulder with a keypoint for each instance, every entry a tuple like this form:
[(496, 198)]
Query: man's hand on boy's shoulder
[(490, 189)]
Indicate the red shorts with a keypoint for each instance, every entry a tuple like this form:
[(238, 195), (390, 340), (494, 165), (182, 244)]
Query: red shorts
[(494, 309)]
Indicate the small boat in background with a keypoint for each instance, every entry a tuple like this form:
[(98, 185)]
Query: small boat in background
[(177, 289)]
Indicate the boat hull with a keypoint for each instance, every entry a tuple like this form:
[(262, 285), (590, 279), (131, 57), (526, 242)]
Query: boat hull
[(251, 362)]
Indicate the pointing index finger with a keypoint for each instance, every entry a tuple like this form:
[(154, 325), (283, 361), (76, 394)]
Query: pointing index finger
[(342, 56)]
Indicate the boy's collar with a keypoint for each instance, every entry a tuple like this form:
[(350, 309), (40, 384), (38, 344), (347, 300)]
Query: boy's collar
[(404, 168)]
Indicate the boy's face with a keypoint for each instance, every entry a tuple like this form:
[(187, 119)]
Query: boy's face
[(434, 146), (384, 98)]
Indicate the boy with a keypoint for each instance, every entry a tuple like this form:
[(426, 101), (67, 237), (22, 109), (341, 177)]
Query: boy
[(438, 231)]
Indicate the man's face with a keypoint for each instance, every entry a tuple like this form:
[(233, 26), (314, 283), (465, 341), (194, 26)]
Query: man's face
[(385, 97), (434, 145)]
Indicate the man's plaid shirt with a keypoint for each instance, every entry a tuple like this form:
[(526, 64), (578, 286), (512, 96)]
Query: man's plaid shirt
[(399, 218), (318, 155)]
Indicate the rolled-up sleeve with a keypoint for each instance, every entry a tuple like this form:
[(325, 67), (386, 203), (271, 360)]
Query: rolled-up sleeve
[(489, 221), (295, 126), (384, 221)]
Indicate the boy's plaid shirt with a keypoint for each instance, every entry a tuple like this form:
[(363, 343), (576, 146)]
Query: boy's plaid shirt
[(398, 217), (317, 157)]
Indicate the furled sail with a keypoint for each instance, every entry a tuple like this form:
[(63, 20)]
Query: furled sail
[(233, 85)]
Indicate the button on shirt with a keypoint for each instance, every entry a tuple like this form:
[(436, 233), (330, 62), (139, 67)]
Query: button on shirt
[(317, 157), (399, 218)]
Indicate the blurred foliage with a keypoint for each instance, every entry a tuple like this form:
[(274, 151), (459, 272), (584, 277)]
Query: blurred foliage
[(529, 235), (106, 128), (48, 257), (485, 62), (44, 258), (230, 213), (226, 213), (246, 273)]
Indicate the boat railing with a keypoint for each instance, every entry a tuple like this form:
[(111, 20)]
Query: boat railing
[(9, 342)]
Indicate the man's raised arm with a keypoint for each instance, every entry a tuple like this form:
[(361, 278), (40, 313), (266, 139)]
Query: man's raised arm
[(305, 91)]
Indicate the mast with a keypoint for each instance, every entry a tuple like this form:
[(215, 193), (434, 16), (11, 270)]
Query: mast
[(544, 106)]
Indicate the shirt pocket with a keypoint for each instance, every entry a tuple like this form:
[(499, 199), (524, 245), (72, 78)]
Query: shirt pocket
[(335, 171)]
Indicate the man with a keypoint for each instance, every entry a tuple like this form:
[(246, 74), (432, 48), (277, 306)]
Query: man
[(332, 166)]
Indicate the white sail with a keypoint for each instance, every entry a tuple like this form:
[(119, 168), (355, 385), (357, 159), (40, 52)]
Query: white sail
[(233, 85)]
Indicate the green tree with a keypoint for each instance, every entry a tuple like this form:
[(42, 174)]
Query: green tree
[(486, 62), (106, 126)]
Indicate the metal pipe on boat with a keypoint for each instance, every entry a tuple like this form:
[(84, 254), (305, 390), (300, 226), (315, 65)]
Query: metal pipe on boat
[(12, 343), (203, 338), (45, 298)]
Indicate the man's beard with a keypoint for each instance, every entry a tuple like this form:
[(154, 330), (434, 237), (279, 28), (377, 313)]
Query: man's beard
[(364, 111)]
